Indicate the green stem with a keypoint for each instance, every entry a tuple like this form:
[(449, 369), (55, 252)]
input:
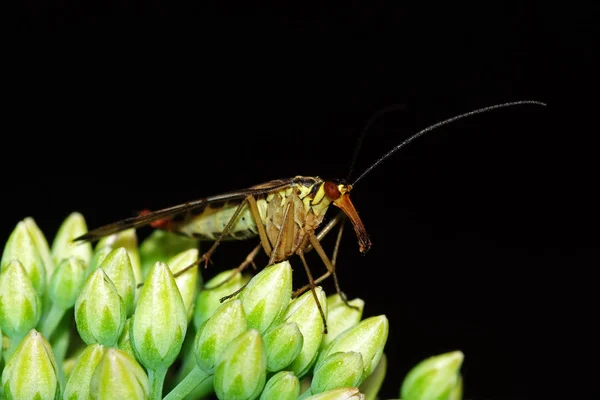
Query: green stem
[(195, 378), (52, 320), (157, 379), (60, 345)]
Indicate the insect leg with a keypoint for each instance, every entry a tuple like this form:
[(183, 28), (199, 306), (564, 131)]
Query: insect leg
[(264, 240), (249, 260), (312, 287)]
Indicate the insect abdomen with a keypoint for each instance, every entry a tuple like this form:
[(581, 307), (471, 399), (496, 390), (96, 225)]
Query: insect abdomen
[(212, 221)]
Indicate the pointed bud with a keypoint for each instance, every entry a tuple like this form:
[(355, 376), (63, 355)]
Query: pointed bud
[(20, 246), (209, 298), (228, 322), (283, 344), (66, 282), (79, 381), (97, 258), (32, 358), (63, 245), (41, 244), (117, 267), (338, 370), (368, 338), (124, 342), (159, 323), (282, 386), (126, 239), (119, 376), (267, 295), (20, 305), (162, 246), (99, 310), (350, 393), (372, 385), (241, 368), (187, 282), (457, 392), (341, 317), (435, 378), (303, 311)]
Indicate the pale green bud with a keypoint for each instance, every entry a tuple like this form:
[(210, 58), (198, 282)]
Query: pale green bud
[(41, 244), (162, 246), (117, 266), (241, 368), (20, 304), (31, 371), (267, 295), (228, 322), (303, 311), (126, 239), (342, 369), (20, 246), (119, 376), (283, 343), (63, 245), (341, 317), (98, 257), (124, 342), (348, 393), (372, 385), (66, 282), (159, 323), (80, 378), (435, 378), (187, 282), (209, 298), (457, 392), (368, 338), (283, 385), (99, 310)]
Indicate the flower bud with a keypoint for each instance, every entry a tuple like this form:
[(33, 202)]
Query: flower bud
[(283, 385), (20, 246), (99, 310), (79, 380), (341, 369), (163, 245), (63, 245), (267, 295), (303, 311), (371, 386), (348, 393), (283, 344), (457, 392), (187, 282), (32, 358), (117, 267), (126, 239), (66, 282), (228, 322), (241, 368), (119, 376), (209, 298), (341, 317), (41, 244), (20, 305), (159, 324), (124, 342), (97, 258), (435, 378), (368, 338)]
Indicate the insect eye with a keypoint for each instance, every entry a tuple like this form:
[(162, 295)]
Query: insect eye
[(331, 190)]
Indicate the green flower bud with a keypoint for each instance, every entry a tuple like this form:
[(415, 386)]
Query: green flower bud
[(80, 378), (31, 372), (66, 282), (435, 378), (267, 295), (372, 385), (342, 369), (20, 246), (117, 266), (98, 257), (283, 343), (41, 244), (348, 393), (303, 311), (457, 392), (63, 245), (162, 246), (159, 323), (187, 283), (209, 299), (241, 368), (119, 376), (20, 305), (368, 338), (228, 322), (283, 385), (341, 317), (126, 239), (99, 310), (124, 342)]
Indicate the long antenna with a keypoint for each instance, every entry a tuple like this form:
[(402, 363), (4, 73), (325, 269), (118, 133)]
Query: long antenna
[(442, 123)]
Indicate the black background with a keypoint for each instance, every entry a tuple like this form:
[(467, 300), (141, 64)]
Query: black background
[(484, 232)]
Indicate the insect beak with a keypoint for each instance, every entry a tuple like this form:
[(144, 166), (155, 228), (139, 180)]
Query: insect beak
[(344, 203)]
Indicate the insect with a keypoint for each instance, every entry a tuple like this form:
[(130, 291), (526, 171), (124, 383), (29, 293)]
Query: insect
[(285, 214)]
